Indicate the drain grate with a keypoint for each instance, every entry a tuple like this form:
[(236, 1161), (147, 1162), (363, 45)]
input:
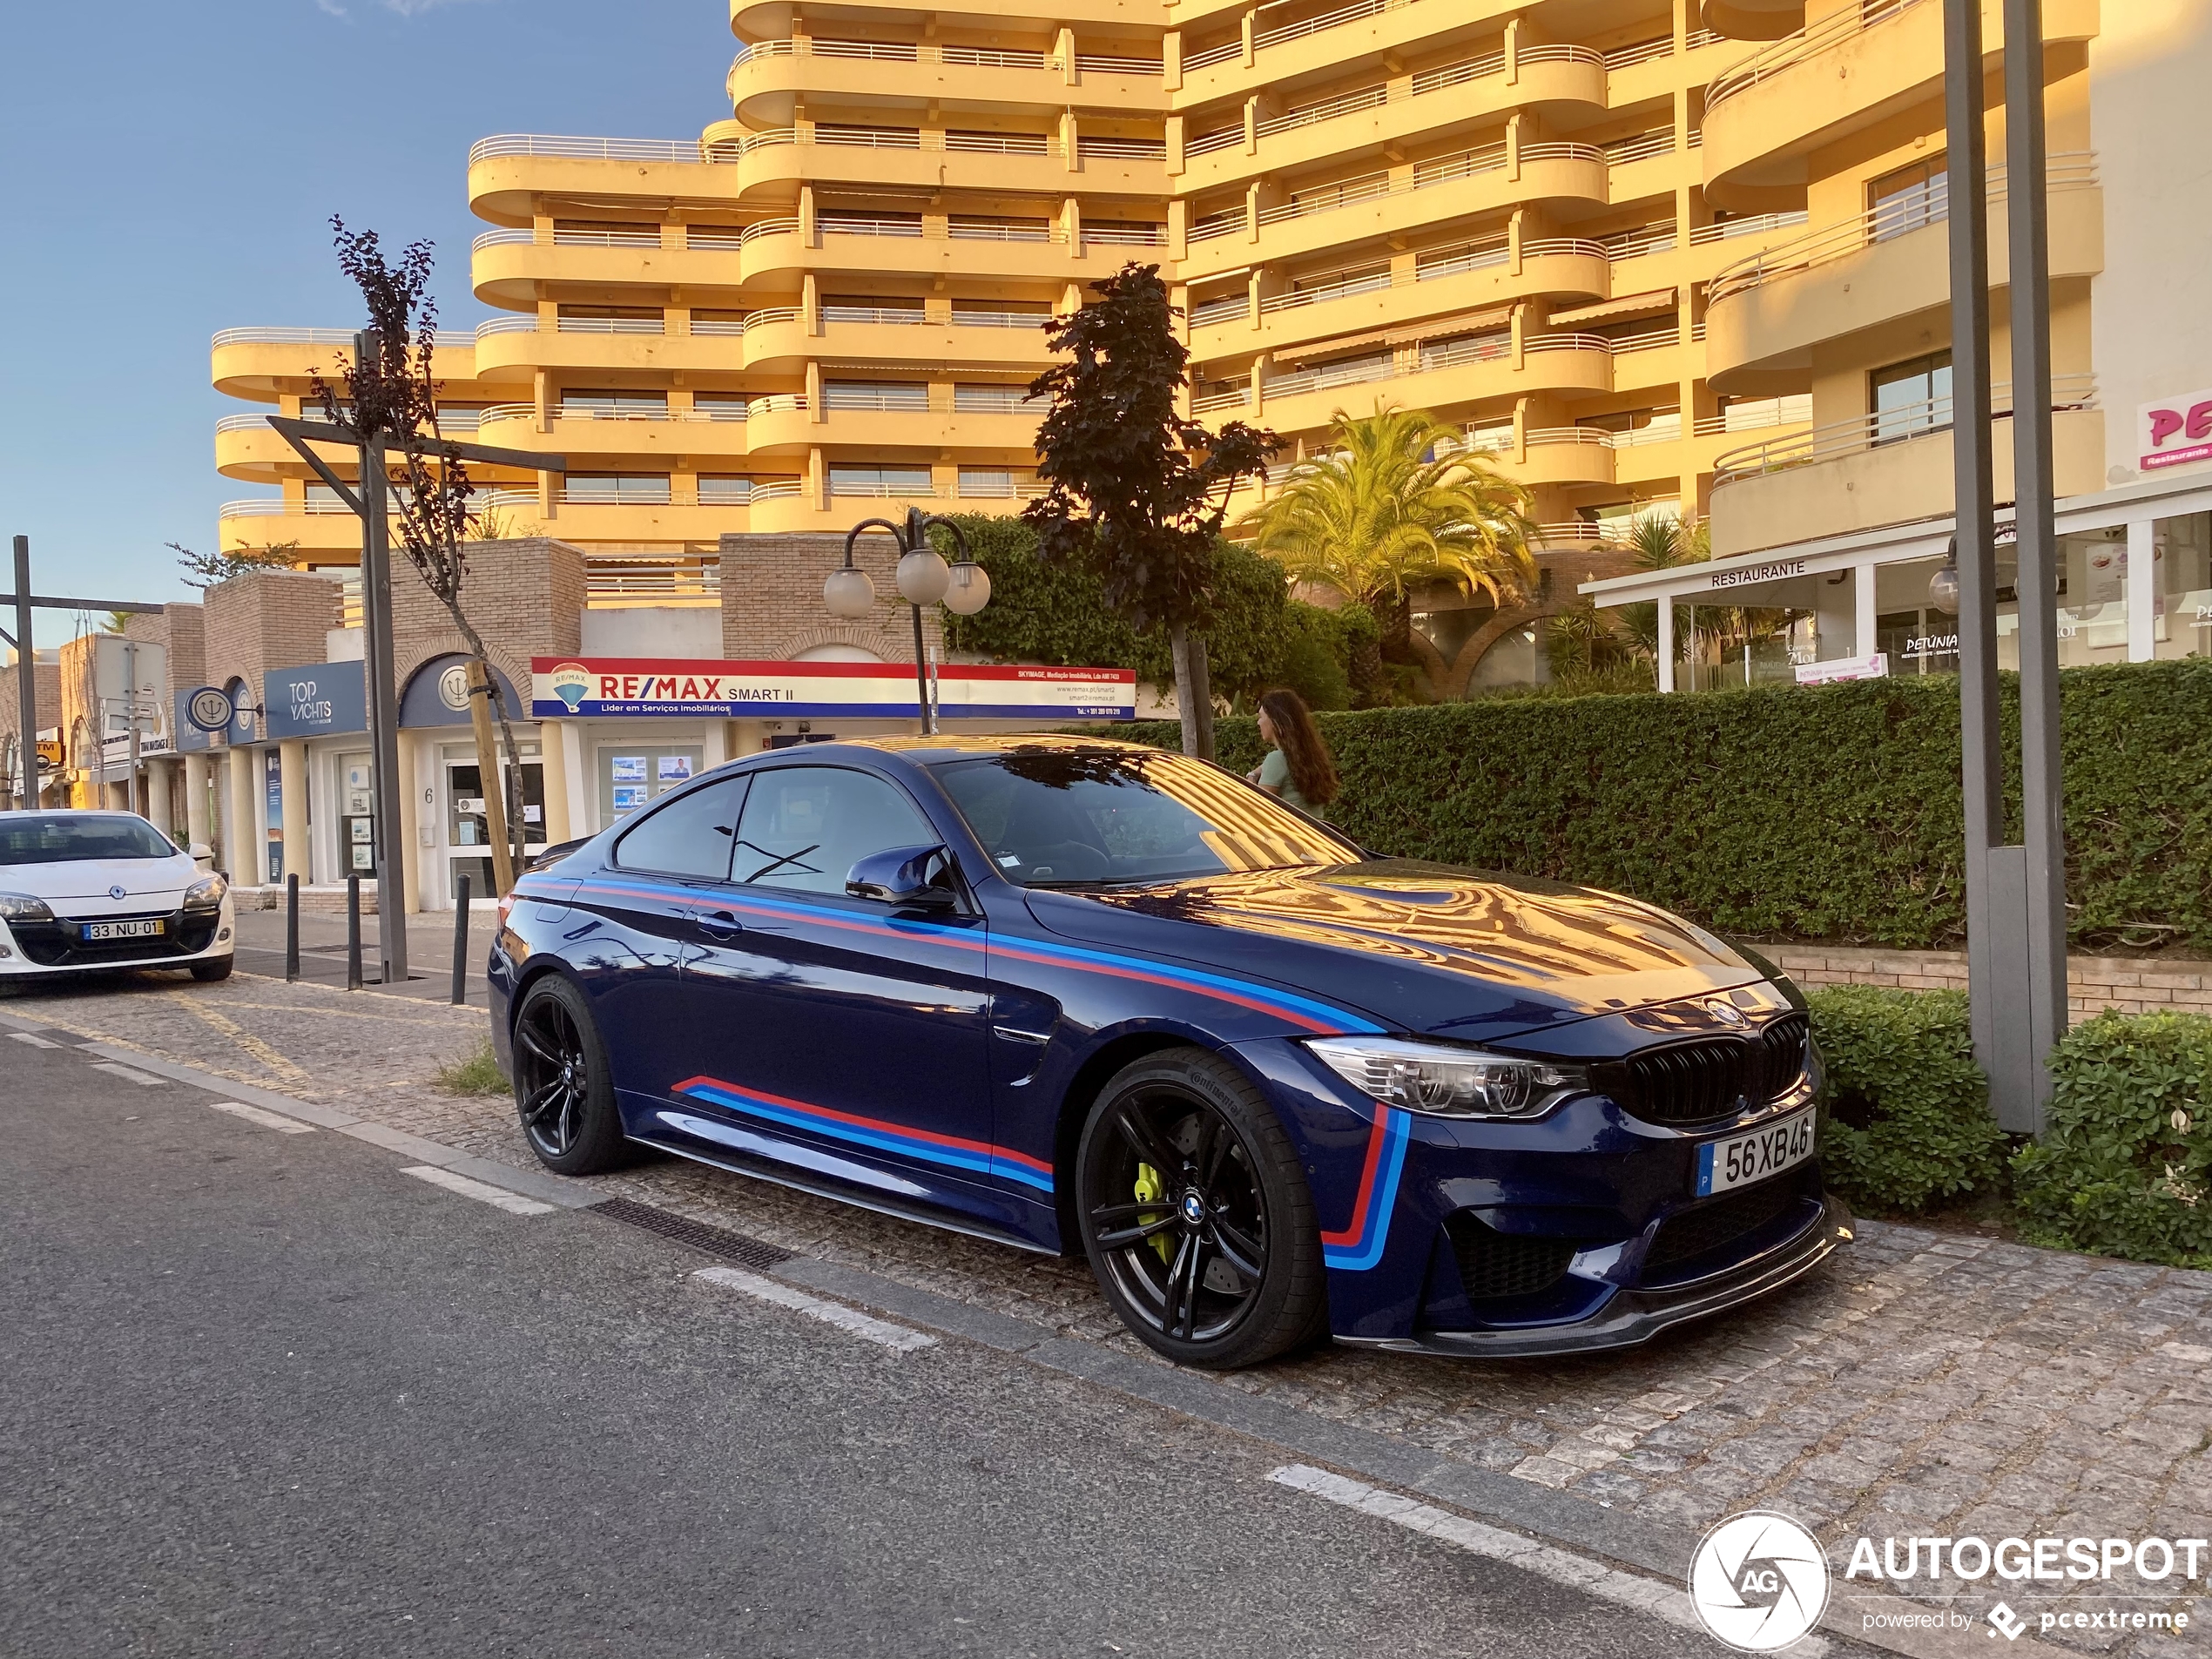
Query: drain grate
[(715, 1241)]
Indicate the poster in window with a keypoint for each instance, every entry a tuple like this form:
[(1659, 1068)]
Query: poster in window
[(675, 769), (629, 769), (629, 797)]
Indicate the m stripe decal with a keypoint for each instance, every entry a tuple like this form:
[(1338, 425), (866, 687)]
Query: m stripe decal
[(1360, 1245), (978, 1157)]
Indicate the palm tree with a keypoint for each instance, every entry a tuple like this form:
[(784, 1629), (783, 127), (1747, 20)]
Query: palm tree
[(1396, 505)]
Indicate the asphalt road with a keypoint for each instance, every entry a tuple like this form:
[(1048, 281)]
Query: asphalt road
[(264, 1393)]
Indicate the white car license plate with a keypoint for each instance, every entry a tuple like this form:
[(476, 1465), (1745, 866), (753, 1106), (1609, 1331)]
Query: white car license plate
[(95, 931), (1742, 1159)]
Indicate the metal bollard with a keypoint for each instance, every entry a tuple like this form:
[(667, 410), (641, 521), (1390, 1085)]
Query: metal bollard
[(460, 943), (291, 929), (353, 933)]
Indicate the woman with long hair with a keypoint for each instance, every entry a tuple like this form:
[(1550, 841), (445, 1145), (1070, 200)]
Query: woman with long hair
[(1298, 768)]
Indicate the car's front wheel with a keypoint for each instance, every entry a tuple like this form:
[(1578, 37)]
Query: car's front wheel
[(215, 967), (562, 1088), (1196, 1215)]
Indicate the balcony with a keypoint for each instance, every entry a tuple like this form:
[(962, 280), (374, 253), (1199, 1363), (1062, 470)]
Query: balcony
[(772, 165), (509, 349), (262, 363), (1890, 468), (508, 171), (1857, 67), (1394, 202), (1766, 311), (1402, 111), (1437, 376), (769, 79)]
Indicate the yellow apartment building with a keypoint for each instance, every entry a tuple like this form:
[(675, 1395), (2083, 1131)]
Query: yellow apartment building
[(831, 301), (1844, 521)]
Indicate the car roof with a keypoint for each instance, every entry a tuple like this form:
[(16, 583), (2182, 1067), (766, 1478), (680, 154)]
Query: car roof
[(938, 750)]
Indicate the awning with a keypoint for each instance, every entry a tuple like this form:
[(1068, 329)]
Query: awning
[(1621, 310)]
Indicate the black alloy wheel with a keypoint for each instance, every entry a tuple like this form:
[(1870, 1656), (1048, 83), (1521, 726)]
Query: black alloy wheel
[(563, 1091), (1196, 1215)]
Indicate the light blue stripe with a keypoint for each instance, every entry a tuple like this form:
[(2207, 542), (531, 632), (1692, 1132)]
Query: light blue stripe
[(883, 1140), (1357, 1258)]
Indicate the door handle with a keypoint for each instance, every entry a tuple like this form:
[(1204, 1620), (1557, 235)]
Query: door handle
[(720, 924)]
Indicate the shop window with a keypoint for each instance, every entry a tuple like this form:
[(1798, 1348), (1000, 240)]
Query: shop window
[(1918, 641), (1909, 199), (2182, 586), (635, 775), (2093, 598), (1910, 398)]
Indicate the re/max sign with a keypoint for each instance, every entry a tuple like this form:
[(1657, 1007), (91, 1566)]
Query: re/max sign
[(687, 688)]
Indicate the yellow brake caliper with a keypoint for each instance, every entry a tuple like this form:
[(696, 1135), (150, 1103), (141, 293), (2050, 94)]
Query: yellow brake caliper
[(1150, 1190)]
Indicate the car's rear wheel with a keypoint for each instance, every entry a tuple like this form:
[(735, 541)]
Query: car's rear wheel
[(1196, 1215), (564, 1090)]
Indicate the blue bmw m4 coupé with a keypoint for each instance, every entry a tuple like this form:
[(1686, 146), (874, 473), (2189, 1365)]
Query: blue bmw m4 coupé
[(1076, 995)]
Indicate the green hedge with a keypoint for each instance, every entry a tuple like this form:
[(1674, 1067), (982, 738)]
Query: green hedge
[(2125, 1167), (1830, 813), (1908, 1109)]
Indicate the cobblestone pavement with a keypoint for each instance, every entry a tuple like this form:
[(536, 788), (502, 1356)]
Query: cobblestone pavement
[(1928, 1383)]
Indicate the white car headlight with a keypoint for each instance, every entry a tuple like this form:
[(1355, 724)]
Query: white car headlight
[(20, 907), (206, 893), (1448, 1082)]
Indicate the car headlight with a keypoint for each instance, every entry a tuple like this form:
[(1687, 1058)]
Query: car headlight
[(206, 893), (1448, 1081), (20, 907)]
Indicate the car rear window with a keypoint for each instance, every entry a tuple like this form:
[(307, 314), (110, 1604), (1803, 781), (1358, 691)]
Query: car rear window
[(37, 838)]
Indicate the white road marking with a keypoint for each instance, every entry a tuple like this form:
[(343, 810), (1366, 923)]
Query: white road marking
[(513, 1203), (1660, 1600), (143, 1079), (266, 1120), (36, 1043), (897, 1337)]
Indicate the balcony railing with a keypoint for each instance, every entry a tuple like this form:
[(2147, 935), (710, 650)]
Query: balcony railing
[(1901, 423), (770, 316), (2068, 170), (1629, 57), (1105, 64), (1809, 42), (922, 52), (1106, 149), (445, 338), (610, 325), (540, 144)]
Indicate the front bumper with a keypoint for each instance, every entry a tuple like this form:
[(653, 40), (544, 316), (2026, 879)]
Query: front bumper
[(41, 950), (1631, 1317)]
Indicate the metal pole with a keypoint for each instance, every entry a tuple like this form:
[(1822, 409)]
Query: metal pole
[(26, 679), (2028, 218), (353, 932), (384, 698), (292, 927), (921, 678), (130, 713), (461, 940)]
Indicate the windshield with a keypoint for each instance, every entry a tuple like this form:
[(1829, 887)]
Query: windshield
[(56, 839), (1057, 818)]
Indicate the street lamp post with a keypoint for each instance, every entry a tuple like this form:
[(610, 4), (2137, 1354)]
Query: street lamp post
[(924, 578)]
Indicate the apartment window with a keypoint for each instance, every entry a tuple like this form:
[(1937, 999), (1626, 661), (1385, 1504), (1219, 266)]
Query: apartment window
[(1124, 232), (880, 481), (1909, 199), (867, 307), (867, 137), (996, 144), (584, 232), (614, 405), (617, 490), (717, 322), (978, 483), (1910, 398), (999, 314), (997, 400), (977, 227), (611, 319), (887, 224), (721, 406), (720, 490), (1466, 349), (875, 394)]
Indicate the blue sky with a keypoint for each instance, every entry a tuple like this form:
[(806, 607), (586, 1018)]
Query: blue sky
[(171, 170)]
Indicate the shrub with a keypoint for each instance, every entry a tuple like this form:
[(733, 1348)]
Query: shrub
[(2125, 1166), (1827, 813), (1908, 1109), (474, 1073)]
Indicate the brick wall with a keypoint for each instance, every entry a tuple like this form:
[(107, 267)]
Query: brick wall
[(2134, 985), (48, 690), (267, 619), (525, 596), (771, 598)]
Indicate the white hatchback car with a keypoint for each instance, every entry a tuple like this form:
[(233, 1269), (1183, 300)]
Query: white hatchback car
[(84, 890)]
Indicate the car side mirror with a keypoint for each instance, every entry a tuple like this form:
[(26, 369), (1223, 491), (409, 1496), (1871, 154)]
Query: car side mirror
[(904, 875), (202, 855)]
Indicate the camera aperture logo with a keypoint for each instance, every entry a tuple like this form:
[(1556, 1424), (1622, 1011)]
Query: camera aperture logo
[(1759, 1582)]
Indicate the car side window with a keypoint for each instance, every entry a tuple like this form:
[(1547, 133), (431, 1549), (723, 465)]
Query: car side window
[(689, 836), (806, 826)]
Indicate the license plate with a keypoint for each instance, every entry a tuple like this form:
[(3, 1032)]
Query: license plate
[(95, 931), (1742, 1159)]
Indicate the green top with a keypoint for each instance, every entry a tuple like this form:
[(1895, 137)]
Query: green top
[(1275, 774)]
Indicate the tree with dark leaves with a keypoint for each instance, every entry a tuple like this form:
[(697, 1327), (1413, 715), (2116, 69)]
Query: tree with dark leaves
[(1134, 491), (392, 394)]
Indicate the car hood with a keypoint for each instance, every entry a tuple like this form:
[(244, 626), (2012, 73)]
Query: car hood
[(89, 883), (1462, 954)]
